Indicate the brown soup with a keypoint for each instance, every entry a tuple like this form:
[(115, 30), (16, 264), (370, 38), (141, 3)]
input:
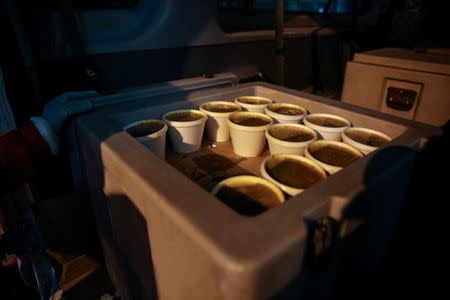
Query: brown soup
[(250, 121), (250, 100), (291, 134), (224, 108), (248, 199), (334, 155), (145, 128), (367, 138), (293, 173), (185, 116), (286, 110), (327, 121)]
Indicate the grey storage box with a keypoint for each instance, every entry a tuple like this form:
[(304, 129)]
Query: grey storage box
[(164, 236), (400, 82)]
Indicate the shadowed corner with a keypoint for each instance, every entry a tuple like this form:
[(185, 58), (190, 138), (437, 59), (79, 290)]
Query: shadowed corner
[(345, 249), (400, 224)]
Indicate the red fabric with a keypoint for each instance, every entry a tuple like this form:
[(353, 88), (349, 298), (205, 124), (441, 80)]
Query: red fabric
[(22, 153)]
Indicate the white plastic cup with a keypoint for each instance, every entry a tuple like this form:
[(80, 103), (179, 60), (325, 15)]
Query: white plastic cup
[(248, 141), (217, 124), (285, 112), (185, 136), (288, 188), (364, 139), (246, 183), (318, 122), (253, 103), (150, 133), (327, 166), (278, 145)]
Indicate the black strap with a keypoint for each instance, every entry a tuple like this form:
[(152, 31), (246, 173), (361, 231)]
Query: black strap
[(327, 6), (280, 51), (315, 62)]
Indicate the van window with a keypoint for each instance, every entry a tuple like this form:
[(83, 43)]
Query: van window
[(290, 6), (90, 4)]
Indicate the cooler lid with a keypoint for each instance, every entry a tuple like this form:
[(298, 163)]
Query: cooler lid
[(406, 59)]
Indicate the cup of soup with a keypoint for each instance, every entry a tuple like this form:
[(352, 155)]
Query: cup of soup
[(217, 124), (364, 139), (248, 195), (285, 112), (332, 155), (185, 129), (330, 127), (253, 103), (150, 133), (289, 138), (247, 132), (291, 173)]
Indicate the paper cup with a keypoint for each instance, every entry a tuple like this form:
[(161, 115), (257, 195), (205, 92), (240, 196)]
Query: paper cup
[(330, 127), (364, 139), (289, 138), (150, 133), (248, 195), (253, 103), (285, 112), (291, 173), (185, 129), (332, 155), (247, 132), (217, 124)]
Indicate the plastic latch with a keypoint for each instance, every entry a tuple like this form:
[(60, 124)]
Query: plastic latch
[(400, 99), (324, 236)]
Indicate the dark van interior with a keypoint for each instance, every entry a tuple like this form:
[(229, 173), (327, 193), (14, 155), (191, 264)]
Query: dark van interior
[(104, 219)]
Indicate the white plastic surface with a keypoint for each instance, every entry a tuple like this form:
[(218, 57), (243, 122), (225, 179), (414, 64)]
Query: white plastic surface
[(184, 238)]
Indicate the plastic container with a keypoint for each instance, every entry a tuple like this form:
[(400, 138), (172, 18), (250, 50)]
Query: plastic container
[(248, 139), (330, 127), (285, 112), (150, 133), (289, 138), (185, 134), (334, 156), (164, 234), (250, 195), (364, 139), (253, 103), (218, 113), (295, 173)]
